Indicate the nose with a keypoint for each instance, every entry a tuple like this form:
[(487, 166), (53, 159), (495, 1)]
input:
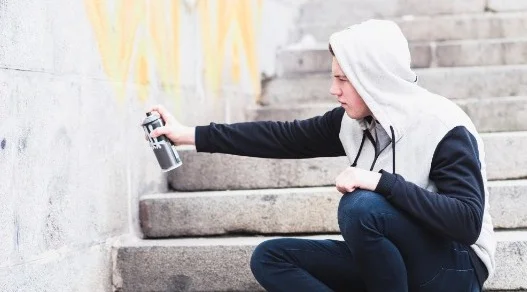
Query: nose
[(334, 89)]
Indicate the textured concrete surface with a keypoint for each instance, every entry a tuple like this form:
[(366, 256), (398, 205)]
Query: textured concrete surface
[(511, 262), (508, 203), (480, 53), (222, 264), (436, 28), (459, 82), (422, 55), (195, 265), (21, 47), (494, 114), (39, 37), (60, 193), (282, 211), (505, 155), (73, 159), (290, 112), (345, 12), (475, 82), (50, 164), (60, 175), (270, 211), (298, 89), (463, 26), (205, 171), (294, 61), (497, 114), (506, 5), (74, 268)]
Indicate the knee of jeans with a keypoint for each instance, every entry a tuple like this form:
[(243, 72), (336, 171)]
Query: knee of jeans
[(264, 252), (359, 204)]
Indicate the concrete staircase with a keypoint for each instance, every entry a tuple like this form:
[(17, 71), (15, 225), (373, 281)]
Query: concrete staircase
[(201, 236)]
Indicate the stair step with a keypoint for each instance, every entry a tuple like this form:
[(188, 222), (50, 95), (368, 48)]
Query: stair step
[(454, 83), (489, 52), (507, 5), (222, 264), (324, 12), (438, 27), (497, 114), (282, 211), (205, 171)]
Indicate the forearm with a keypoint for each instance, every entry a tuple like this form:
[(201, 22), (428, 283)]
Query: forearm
[(457, 215), (257, 139), (315, 137)]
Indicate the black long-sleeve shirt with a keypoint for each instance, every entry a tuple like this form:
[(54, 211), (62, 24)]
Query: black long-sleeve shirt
[(454, 211)]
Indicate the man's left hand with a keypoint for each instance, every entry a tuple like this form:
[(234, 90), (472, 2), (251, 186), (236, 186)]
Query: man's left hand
[(355, 178)]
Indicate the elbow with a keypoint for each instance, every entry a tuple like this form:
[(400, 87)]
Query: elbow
[(471, 234), (470, 227), (467, 236), (474, 224), (470, 238)]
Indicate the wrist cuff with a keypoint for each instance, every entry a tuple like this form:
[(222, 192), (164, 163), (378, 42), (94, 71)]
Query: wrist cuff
[(384, 187), (201, 136)]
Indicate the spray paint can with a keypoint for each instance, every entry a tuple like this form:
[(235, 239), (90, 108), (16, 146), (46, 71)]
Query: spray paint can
[(164, 149)]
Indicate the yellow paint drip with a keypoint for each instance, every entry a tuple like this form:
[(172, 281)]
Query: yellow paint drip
[(141, 72), (236, 66), (246, 26)]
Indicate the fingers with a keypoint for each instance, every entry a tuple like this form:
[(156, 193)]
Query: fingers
[(158, 108), (341, 188), (344, 189), (162, 111), (160, 131)]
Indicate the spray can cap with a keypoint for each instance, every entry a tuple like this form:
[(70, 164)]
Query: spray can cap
[(150, 117)]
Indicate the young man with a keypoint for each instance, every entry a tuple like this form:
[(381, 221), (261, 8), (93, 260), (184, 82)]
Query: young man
[(414, 211)]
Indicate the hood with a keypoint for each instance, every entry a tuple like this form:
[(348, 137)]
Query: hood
[(375, 57)]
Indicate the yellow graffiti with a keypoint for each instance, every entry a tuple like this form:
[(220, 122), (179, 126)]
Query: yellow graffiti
[(116, 33), (247, 41), (141, 39), (164, 36), (237, 18), (142, 72)]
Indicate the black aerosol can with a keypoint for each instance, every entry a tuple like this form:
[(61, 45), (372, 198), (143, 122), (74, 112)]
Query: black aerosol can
[(164, 150)]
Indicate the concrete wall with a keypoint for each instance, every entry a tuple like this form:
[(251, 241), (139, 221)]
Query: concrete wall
[(75, 79)]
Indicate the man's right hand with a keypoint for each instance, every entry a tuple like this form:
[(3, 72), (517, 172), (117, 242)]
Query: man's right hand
[(174, 130)]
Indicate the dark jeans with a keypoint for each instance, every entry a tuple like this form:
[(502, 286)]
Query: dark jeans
[(383, 250)]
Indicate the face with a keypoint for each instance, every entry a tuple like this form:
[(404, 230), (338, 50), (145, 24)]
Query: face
[(346, 94)]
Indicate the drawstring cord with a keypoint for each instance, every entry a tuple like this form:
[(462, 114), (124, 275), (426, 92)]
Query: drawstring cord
[(377, 150), (393, 148), (375, 146), (360, 148)]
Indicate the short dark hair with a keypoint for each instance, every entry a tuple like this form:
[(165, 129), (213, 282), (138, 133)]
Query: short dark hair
[(331, 50)]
